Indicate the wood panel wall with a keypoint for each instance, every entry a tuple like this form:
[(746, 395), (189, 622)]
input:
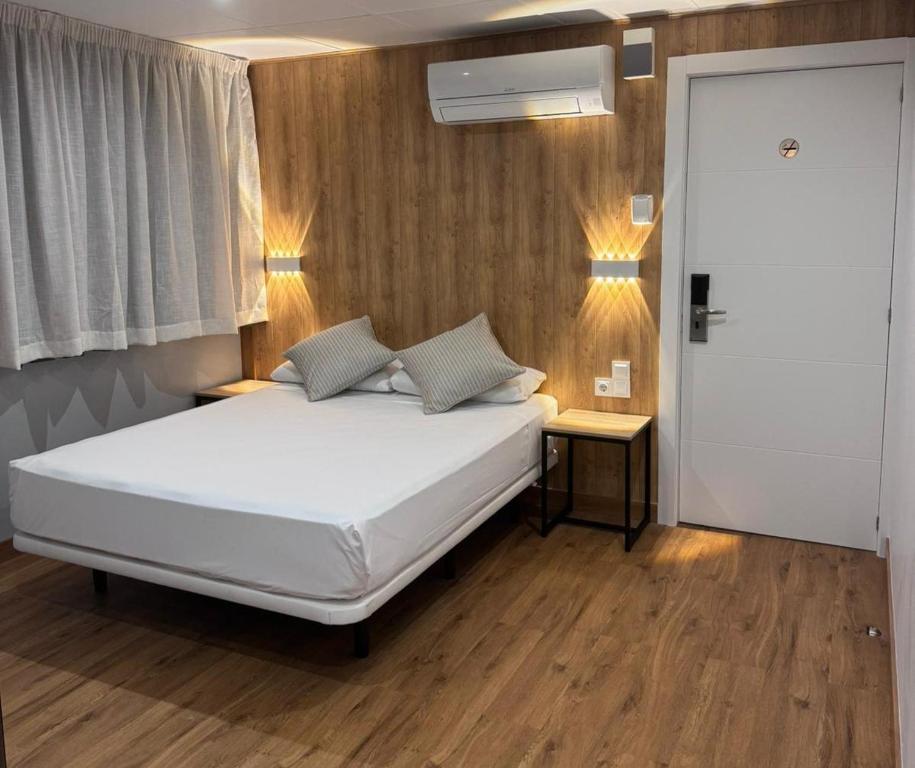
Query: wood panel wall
[(422, 226)]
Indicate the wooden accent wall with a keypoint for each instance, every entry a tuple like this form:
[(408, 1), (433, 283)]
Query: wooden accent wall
[(422, 226)]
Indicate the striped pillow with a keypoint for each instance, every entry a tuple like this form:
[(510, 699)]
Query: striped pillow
[(457, 365), (335, 359)]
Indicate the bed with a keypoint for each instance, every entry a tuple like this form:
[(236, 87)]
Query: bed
[(320, 510)]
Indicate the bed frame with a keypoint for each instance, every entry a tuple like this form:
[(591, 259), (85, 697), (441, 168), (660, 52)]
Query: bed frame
[(334, 612)]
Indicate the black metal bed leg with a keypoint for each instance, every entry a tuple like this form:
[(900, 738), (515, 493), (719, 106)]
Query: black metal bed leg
[(509, 513), (361, 639), (99, 581), (449, 566), (2, 741)]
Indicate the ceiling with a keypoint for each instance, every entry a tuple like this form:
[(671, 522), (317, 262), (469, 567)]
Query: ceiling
[(263, 29)]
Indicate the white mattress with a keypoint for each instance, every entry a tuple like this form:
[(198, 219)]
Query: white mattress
[(325, 500)]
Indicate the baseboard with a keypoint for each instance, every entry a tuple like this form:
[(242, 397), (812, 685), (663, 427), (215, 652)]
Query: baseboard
[(897, 731)]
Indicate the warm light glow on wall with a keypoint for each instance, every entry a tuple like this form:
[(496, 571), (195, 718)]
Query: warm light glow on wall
[(286, 237), (613, 237)]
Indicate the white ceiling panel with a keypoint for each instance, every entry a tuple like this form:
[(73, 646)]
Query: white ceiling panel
[(479, 18), (381, 7), (573, 10), (262, 43), (627, 8), (263, 29), (356, 32), (271, 13), (157, 18), (613, 9), (711, 4)]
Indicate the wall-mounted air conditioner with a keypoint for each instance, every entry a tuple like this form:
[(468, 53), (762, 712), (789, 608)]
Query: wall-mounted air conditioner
[(576, 82)]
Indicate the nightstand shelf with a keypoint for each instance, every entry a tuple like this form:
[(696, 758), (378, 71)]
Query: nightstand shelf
[(232, 389), (619, 428)]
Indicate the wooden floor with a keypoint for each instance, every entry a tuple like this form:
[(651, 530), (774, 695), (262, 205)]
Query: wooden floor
[(697, 649)]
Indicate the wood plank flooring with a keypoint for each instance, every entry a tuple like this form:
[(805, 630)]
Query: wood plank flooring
[(697, 649)]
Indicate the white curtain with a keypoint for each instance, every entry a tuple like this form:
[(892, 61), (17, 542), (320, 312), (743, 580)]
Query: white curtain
[(130, 204)]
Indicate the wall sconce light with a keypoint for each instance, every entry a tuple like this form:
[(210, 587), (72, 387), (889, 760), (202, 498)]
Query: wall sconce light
[(615, 268), (642, 209), (284, 264), (638, 53)]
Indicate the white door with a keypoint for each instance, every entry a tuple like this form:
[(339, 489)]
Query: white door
[(782, 407)]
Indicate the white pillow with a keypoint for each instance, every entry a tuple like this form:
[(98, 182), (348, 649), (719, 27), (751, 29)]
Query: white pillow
[(380, 381), (514, 390), (287, 373), (402, 382)]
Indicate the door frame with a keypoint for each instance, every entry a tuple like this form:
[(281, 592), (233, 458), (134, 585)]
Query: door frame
[(680, 71)]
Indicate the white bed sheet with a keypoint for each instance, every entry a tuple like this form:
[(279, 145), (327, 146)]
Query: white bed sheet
[(325, 500)]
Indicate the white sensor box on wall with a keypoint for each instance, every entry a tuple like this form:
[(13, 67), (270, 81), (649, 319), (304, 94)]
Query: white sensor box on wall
[(642, 209)]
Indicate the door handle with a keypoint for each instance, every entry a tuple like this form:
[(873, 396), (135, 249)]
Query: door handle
[(699, 308)]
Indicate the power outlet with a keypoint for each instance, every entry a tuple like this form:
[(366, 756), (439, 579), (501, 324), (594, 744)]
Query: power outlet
[(619, 385)]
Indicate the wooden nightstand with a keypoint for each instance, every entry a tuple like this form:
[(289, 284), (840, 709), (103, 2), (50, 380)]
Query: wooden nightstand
[(243, 387), (599, 427)]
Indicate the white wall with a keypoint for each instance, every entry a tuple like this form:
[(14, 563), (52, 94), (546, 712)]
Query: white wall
[(50, 403), (897, 508)]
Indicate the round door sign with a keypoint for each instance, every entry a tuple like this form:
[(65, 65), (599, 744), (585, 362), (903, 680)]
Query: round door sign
[(789, 148)]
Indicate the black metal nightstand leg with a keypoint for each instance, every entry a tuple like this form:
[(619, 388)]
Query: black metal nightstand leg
[(570, 446), (544, 499), (647, 517), (627, 502)]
